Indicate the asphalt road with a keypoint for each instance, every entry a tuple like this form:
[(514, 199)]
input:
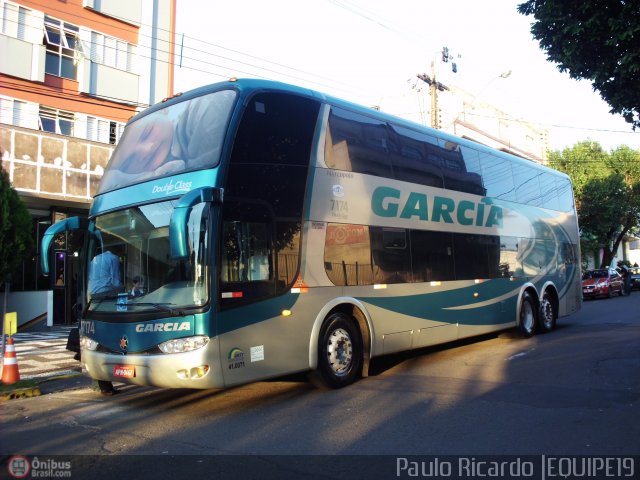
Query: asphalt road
[(575, 391)]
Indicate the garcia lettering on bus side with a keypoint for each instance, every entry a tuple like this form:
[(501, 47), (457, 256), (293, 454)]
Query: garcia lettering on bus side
[(386, 202)]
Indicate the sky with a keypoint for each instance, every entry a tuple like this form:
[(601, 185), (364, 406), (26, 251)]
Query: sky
[(370, 51)]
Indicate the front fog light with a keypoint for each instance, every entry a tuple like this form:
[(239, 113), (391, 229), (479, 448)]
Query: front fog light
[(180, 345), (88, 344)]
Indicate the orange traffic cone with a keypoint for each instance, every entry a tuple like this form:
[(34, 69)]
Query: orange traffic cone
[(10, 373)]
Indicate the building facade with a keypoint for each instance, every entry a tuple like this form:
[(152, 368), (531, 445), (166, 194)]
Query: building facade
[(72, 72), (468, 116)]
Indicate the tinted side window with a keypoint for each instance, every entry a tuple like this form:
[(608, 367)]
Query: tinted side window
[(497, 177), (549, 191), (454, 169), (287, 248), (415, 158), (246, 263), (476, 256), (267, 174), (276, 129), (357, 143), (508, 257), (362, 255), (527, 184), (391, 255), (347, 254), (432, 256), (474, 173), (565, 195), (280, 186)]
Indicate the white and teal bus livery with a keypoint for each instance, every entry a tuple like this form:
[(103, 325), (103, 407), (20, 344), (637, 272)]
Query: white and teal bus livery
[(273, 229)]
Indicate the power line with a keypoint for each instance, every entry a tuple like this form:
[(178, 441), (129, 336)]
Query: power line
[(254, 69), (510, 119), (174, 44)]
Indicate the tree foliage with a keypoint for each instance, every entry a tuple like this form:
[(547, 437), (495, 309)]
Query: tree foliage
[(595, 40), (607, 191), (16, 239)]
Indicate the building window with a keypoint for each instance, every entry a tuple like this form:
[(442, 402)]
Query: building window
[(115, 132), (111, 51), (97, 129), (14, 112), (14, 20), (56, 121), (105, 131), (62, 42)]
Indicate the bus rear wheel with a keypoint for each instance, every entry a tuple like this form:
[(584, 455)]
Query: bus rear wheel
[(548, 314), (528, 317), (339, 351)]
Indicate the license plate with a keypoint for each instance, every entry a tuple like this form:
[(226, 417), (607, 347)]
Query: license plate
[(124, 371), (585, 291)]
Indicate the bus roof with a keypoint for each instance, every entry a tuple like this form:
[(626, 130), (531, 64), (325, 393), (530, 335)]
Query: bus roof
[(248, 86)]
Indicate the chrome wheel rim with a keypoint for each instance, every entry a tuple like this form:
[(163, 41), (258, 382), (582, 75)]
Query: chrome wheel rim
[(340, 352), (526, 317), (547, 313)]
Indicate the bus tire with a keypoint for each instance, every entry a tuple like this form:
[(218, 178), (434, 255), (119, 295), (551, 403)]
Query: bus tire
[(527, 316), (548, 314), (339, 351)]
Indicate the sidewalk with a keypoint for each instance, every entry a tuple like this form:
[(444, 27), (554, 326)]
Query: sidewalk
[(44, 363)]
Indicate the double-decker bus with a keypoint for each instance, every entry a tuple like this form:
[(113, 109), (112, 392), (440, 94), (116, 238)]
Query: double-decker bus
[(252, 229)]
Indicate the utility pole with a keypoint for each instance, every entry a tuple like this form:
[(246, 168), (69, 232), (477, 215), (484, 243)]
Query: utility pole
[(435, 86)]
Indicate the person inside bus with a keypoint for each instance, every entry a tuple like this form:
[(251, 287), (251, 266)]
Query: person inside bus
[(104, 274), (136, 289)]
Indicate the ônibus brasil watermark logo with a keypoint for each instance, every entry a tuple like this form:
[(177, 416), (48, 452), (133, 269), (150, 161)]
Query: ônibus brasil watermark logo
[(21, 467)]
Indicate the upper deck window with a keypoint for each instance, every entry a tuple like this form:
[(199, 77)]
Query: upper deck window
[(183, 137), (357, 143)]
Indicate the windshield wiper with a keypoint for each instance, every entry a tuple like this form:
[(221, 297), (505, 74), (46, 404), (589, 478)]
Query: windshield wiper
[(159, 306), (96, 300)]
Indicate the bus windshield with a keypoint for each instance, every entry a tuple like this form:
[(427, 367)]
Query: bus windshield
[(183, 137), (130, 266)]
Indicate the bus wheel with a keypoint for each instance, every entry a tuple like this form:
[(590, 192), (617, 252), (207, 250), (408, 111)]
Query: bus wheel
[(548, 314), (528, 317), (339, 351)]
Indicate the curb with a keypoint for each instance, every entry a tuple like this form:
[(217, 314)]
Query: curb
[(21, 393), (45, 381)]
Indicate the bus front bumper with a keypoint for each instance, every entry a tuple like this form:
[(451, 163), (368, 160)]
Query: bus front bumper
[(196, 369)]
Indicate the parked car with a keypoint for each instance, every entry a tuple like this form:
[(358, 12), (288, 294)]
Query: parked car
[(635, 278), (602, 282)]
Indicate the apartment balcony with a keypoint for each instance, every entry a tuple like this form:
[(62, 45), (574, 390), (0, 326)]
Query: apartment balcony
[(54, 166), (107, 82), (22, 59)]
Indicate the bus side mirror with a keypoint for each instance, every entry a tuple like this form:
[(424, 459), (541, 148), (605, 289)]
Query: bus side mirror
[(68, 224), (178, 224)]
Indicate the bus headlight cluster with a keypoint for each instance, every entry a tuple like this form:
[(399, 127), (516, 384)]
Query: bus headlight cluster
[(180, 345), (87, 343)]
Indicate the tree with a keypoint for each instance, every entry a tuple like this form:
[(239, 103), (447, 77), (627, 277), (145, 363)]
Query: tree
[(607, 192), (16, 239), (595, 40)]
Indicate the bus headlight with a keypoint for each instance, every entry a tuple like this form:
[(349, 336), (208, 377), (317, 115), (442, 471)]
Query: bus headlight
[(87, 343), (180, 345)]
